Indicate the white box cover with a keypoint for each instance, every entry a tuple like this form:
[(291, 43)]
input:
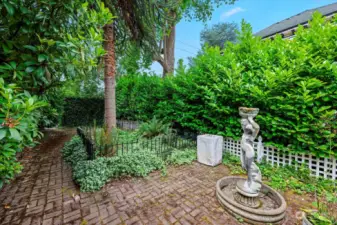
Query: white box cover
[(209, 149)]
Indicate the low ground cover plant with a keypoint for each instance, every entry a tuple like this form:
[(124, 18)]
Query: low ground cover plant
[(180, 157), (285, 177), (139, 161), (74, 151), (91, 175)]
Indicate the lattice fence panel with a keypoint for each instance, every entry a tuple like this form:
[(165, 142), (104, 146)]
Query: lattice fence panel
[(319, 167), (127, 124)]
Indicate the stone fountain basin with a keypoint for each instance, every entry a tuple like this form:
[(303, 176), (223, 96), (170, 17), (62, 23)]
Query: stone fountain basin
[(245, 112), (272, 209)]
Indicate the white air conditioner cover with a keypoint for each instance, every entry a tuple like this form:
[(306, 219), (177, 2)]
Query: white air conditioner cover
[(209, 149)]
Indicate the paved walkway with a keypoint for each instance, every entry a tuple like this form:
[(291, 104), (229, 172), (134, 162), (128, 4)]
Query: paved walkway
[(44, 193)]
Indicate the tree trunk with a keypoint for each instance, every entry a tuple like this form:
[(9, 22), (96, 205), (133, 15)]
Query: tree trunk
[(109, 77), (169, 44)]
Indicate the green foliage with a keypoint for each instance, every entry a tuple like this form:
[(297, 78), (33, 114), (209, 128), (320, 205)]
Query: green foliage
[(103, 139), (233, 163), (74, 151), (91, 175), (137, 96), (126, 136), (18, 127), (83, 111), (293, 82), (154, 128), (286, 178), (219, 34), (46, 41), (180, 157), (317, 218), (325, 213), (85, 86), (137, 163), (200, 10), (133, 60)]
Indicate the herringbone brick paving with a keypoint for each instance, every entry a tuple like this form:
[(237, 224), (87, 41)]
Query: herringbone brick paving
[(44, 193)]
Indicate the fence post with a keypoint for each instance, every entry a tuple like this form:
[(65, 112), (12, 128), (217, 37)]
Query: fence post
[(259, 150), (90, 147), (334, 170)]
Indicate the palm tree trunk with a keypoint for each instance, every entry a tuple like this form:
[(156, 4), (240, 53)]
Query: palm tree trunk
[(109, 77)]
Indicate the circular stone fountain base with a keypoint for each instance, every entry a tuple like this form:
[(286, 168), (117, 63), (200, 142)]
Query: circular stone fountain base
[(271, 208)]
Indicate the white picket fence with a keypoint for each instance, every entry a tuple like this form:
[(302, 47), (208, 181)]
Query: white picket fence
[(320, 167)]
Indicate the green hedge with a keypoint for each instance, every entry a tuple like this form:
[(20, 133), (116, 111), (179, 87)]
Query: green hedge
[(136, 99), (83, 111), (137, 96), (293, 82)]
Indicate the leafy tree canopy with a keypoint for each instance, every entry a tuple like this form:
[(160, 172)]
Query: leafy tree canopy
[(219, 34), (45, 42)]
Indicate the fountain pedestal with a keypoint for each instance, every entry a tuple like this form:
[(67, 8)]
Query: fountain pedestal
[(248, 198), (244, 197)]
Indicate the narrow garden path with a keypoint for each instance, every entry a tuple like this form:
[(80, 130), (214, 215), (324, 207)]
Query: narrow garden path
[(44, 193)]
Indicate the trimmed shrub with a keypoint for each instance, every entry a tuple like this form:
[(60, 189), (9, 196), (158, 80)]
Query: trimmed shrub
[(293, 82), (137, 96)]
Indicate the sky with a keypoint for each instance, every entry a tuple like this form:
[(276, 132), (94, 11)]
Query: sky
[(259, 13)]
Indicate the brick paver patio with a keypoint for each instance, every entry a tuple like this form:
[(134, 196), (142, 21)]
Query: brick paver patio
[(44, 193)]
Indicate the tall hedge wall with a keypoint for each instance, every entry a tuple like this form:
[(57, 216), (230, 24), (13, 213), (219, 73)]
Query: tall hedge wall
[(293, 82), (83, 111)]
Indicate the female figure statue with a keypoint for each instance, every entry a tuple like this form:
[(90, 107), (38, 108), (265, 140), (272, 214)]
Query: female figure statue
[(250, 131)]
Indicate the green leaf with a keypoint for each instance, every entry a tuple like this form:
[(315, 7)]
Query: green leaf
[(34, 49), (29, 63), (323, 108), (30, 69), (40, 72), (2, 133), (10, 8), (13, 64), (42, 57), (15, 134), (30, 101)]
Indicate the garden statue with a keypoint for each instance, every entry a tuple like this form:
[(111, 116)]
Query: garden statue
[(249, 198), (251, 187)]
